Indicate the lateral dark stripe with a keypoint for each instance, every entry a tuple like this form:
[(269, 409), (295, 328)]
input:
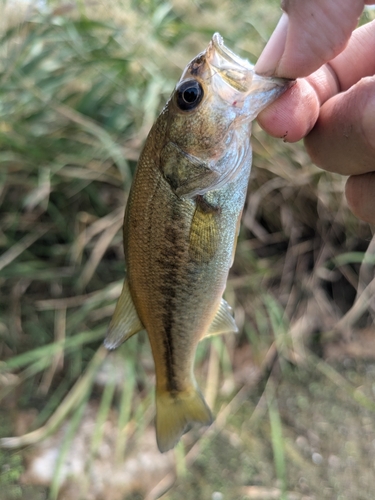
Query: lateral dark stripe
[(169, 261), (172, 384)]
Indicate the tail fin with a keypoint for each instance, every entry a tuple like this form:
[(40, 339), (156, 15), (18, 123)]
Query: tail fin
[(175, 413)]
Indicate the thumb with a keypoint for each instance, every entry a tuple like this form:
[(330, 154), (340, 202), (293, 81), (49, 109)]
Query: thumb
[(309, 34)]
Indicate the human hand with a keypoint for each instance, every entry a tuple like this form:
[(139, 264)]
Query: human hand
[(333, 107)]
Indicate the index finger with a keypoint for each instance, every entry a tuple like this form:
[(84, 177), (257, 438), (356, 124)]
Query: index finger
[(309, 34)]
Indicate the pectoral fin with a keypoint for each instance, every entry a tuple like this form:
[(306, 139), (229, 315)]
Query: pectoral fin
[(223, 322), (204, 232), (125, 321)]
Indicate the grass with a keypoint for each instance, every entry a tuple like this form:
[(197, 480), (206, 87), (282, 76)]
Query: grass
[(80, 88)]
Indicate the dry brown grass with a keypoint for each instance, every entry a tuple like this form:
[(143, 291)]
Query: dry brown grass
[(80, 89)]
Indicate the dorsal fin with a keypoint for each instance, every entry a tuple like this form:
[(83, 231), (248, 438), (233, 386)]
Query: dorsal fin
[(125, 321), (223, 321)]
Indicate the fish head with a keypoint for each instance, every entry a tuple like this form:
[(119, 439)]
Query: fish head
[(210, 111), (233, 79)]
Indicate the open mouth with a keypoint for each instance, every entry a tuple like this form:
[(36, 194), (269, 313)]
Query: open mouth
[(236, 72), (224, 58)]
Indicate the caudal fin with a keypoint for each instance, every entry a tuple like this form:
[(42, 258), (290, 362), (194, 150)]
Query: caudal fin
[(175, 413)]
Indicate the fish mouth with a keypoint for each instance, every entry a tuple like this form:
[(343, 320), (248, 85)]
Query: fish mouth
[(237, 72), (236, 82), (233, 79), (219, 56)]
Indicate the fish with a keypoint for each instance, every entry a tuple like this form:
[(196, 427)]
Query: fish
[(181, 225)]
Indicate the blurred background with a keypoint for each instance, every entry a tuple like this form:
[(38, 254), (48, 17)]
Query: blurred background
[(293, 393)]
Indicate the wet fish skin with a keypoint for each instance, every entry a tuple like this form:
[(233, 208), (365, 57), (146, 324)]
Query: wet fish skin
[(181, 226)]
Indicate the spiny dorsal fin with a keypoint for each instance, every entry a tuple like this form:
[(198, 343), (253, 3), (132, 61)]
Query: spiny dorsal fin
[(223, 321), (125, 321)]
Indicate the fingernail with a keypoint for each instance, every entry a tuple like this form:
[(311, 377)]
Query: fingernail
[(272, 52)]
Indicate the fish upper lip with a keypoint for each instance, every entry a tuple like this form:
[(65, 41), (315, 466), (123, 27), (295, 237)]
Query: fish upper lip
[(260, 82), (277, 80)]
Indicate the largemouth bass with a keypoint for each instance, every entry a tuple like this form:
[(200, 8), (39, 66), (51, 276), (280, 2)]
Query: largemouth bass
[(181, 225)]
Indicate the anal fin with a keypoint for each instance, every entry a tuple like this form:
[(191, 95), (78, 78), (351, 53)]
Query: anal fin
[(125, 321), (223, 321)]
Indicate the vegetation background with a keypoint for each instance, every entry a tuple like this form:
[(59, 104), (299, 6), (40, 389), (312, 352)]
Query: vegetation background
[(293, 393)]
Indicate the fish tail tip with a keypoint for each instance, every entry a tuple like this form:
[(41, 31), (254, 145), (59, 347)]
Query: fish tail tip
[(112, 340), (175, 414), (109, 345)]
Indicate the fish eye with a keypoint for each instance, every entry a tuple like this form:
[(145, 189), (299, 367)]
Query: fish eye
[(189, 94)]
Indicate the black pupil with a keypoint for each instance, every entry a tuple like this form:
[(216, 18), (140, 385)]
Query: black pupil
[(190, 95)]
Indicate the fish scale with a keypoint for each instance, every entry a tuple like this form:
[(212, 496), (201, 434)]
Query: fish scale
[(181, 225)]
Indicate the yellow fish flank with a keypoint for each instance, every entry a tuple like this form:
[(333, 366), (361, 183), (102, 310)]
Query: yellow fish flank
[(181, 225)]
